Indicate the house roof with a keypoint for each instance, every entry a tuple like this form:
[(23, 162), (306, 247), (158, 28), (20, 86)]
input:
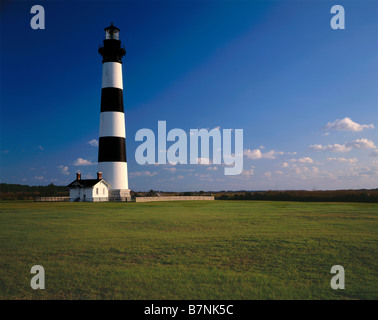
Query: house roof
[(86, 183)]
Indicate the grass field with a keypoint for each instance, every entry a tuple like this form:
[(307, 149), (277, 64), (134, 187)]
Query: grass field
[(189, 250)]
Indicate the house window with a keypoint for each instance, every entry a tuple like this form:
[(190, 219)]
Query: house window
[(103, 191), (96, 190)]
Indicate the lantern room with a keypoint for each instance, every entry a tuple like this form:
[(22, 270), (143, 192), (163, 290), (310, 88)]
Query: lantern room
[(111, 32)]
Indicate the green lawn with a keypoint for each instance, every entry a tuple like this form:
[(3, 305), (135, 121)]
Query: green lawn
[(189, 250)]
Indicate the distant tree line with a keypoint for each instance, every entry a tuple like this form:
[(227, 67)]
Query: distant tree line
[(153, 193), (362, 195), (306, 196), (25, 192)]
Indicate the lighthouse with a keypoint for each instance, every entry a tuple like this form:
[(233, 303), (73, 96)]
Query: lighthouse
[(112, 140)]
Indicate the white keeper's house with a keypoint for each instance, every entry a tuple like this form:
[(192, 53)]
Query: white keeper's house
[(89, 189)]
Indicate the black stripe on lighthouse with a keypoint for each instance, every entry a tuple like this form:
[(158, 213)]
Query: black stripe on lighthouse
[(111, 99), (112, 149)]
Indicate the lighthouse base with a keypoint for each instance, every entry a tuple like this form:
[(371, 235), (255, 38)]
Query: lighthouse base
[(119, 195)]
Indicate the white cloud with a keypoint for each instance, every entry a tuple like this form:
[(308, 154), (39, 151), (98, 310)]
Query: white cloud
[(253, 154), (272, 154), (350, 160), (83, 162), (331, 147), (93, 143), (38, 177), (303, 160), (212, 168), (268, 174), (144, 173), (374, 153), (249, 172), (356, 144), (63, 170), (171, 170), (361, 144), (285, 165), (204, 161), (302, 170), (257, 154), (365, 171), (347, 124), (202, 175)]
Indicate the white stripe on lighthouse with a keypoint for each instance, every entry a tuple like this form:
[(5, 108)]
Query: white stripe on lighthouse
[(112, 124), (116, 174), (112, 75)]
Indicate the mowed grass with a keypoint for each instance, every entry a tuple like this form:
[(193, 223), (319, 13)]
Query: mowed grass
[(189, 250)]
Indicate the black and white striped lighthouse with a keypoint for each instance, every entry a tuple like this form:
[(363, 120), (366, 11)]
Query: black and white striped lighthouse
[(112, 141)]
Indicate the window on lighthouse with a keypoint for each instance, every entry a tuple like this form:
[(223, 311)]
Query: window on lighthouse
[(112, 33)]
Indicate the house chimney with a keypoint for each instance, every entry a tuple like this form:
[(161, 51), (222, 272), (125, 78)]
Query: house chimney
[(99, 175), (78, 176)]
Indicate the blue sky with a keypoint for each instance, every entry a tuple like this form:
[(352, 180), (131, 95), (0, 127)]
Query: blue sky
[(305, 95)]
